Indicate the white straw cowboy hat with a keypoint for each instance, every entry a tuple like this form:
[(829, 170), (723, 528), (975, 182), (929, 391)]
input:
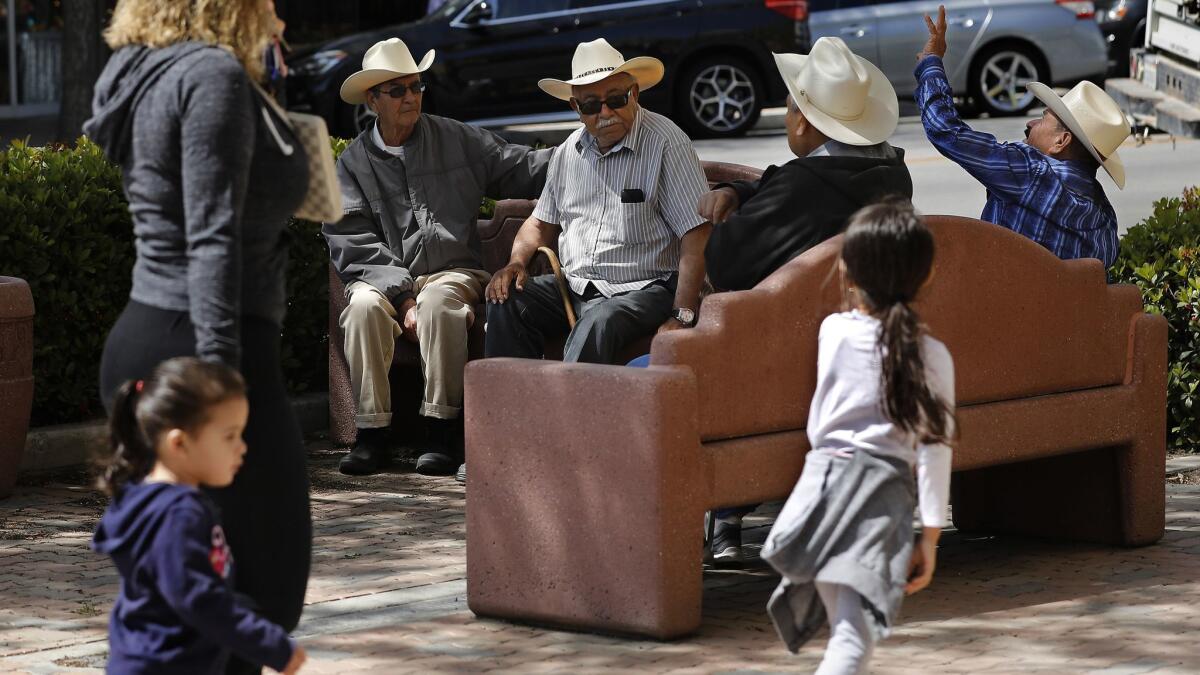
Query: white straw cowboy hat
[(596, 60), (1094, 118), (845, 96), (384, 61)]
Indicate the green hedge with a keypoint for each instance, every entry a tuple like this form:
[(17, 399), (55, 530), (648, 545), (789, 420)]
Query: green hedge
[(65, 228), (1161, 255)]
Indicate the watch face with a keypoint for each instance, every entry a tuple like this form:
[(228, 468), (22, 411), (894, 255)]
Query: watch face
[(685, 315)]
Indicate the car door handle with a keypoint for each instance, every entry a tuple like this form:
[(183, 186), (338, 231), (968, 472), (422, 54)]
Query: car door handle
[(964, 21), (854, 31)]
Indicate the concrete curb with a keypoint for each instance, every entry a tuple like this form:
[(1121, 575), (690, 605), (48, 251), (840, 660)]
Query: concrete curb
[(69, 445), (1183, 464)]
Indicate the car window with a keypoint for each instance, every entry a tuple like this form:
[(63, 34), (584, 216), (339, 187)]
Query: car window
[(512, 9)]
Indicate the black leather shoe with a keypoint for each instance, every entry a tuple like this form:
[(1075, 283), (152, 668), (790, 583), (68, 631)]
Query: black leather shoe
[(443, 449), (369, 454), (437, 464)]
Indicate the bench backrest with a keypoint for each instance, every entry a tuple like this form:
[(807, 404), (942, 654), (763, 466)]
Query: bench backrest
[(1018, 321)]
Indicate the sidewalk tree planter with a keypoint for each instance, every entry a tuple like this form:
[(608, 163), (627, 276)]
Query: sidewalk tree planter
[(16, 376)]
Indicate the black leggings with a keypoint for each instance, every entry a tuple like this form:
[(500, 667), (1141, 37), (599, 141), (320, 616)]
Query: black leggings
[(265, 512)]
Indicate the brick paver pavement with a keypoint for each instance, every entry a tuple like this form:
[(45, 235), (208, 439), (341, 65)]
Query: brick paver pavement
[(388, 595)]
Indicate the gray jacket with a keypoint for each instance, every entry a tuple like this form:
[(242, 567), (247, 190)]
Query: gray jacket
[(211, 175), (415, 215)]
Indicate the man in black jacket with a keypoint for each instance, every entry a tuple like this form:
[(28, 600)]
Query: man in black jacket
[(841, 111)]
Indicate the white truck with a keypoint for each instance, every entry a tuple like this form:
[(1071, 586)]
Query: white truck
[(1163, 91)]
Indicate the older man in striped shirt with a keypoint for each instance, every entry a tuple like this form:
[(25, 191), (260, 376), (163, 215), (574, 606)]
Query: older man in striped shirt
[(620, 198)]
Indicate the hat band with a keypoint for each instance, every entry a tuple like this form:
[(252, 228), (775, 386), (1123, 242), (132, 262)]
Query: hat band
[(844, 118), (594, 71)]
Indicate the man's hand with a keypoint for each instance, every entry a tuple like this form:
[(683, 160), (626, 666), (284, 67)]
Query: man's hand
[(670, 325), (716, 205), (936, 45), (924, 560), (408, 319), (299, 656), (513, 274)]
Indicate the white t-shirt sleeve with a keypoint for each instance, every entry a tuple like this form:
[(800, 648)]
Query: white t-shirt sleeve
[(933, 460)]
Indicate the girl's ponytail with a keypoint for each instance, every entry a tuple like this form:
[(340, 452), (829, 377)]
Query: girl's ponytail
[(130, 455), (888, 254), (907, 398)]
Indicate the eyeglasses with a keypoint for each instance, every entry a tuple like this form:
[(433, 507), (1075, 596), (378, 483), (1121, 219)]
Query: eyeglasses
[(592, 106), (397, 91)]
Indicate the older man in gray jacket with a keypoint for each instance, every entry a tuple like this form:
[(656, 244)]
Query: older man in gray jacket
[(408, 251)]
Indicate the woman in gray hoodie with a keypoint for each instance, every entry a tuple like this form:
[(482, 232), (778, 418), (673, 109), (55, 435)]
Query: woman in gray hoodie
[(212, 175)]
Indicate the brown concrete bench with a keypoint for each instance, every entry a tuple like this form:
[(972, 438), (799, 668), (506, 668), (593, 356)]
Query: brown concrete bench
[(589, 483), (496, 238)]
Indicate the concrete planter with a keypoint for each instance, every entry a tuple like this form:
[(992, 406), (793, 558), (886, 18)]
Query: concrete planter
[(16, 376)]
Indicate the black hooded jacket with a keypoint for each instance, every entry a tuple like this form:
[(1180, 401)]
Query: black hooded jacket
[(794, 207)]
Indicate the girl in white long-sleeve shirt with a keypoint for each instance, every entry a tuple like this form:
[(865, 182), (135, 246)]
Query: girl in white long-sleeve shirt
[(882, 411)]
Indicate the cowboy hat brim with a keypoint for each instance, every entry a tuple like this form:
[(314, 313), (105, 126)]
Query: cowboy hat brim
[(875, 125), (647, 70), (354, 89), (1113, 165)]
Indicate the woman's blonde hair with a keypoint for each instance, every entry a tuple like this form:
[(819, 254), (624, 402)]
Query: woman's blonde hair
[(241, 26)]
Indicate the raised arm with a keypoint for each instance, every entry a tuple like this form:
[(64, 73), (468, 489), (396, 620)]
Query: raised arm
[(1001, 167)]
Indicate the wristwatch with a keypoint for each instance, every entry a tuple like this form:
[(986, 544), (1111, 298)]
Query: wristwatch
[(685, 316)]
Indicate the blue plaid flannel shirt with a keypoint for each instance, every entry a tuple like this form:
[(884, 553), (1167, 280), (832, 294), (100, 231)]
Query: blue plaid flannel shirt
[(1058, 204)]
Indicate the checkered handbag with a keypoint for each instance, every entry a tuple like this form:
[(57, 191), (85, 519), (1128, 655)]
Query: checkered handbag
[(323, 201), (323, 198)]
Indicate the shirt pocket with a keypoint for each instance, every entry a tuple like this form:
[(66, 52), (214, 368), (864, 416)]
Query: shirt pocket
[(638, 225)]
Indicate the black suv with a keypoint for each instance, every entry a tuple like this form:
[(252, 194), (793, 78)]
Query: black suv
[(491, 53)]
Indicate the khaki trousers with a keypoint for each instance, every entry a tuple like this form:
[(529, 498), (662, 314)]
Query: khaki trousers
[(445, 311)]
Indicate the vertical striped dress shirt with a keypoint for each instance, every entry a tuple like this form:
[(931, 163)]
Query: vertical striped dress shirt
[(623, 246), (1058, 204)]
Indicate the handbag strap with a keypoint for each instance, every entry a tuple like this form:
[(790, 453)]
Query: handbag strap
[(274, 105)]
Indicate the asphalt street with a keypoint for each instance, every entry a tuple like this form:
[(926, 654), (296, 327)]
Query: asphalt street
[(1157, 168)]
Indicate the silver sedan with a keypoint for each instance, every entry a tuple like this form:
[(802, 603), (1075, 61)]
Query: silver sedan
[(996, 47)]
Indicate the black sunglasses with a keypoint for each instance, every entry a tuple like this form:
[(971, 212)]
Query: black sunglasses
[(397, 91), (592, 106)]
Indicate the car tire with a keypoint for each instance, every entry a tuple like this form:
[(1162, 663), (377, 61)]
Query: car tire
[(718, 97), (998, 77)]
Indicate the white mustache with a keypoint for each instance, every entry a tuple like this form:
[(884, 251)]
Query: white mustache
[(604, 124)]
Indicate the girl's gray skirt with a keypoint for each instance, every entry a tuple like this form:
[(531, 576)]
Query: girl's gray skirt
[(849, 521)]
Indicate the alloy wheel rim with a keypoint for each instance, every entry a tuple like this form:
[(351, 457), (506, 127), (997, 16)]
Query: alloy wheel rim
[(722, 97), (363, 117), (1004, 80)]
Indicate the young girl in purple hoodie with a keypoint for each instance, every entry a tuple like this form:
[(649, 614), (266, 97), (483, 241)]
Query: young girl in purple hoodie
[(176, 612)]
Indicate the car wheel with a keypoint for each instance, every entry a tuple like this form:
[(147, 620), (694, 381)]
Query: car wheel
[(718, 97), (352, 120), (999, 76)]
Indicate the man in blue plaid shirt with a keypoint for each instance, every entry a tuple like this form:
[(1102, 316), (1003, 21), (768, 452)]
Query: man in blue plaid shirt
[(1044, 188)]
